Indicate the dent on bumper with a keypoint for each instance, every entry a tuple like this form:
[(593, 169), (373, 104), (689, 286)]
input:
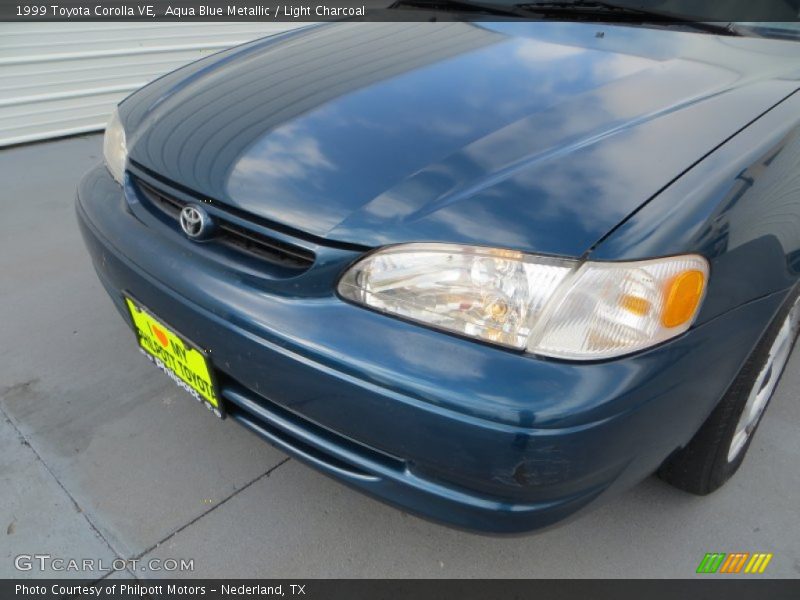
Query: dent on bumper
[(476, 436)]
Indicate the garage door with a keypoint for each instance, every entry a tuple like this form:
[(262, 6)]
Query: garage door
[(60, 79)]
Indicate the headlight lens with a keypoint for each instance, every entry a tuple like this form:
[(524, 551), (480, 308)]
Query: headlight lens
[(114, 149), (549, 306)]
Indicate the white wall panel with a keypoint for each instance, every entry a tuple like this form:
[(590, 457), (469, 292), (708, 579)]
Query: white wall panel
[(64, 78)]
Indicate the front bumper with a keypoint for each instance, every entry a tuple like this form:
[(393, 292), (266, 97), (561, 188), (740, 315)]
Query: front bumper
[(476, 436)]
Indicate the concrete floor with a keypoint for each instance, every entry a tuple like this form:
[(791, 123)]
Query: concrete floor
[(101, 456)]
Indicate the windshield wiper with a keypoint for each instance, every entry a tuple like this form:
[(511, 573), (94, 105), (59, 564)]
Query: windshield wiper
[(584, 10), (609, 11), (503, 10)]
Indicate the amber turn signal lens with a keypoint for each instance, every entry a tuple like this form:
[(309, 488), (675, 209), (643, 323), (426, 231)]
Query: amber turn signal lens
[(683, 295), (635, 304)]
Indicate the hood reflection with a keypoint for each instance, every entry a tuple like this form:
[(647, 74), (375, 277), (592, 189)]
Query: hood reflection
[(538, 136)]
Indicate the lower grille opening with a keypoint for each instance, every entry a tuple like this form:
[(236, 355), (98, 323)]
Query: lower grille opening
[(275, 421), (274, 434)]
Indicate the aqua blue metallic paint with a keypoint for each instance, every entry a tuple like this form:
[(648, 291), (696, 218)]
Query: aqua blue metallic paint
[(536, 136)]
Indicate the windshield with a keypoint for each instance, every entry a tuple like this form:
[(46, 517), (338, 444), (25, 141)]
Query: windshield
[(765, 18), (781, 12)]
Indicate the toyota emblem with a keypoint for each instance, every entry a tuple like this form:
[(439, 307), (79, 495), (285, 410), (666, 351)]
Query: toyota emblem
[(195, 221)]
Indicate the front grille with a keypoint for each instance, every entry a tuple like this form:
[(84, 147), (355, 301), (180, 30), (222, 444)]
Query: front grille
[(232, 235)]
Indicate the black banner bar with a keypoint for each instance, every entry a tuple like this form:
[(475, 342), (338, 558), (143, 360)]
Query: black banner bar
[(375, 10), (730, 588), (193, 10)]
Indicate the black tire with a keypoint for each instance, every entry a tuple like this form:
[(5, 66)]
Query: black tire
[(703, 465)]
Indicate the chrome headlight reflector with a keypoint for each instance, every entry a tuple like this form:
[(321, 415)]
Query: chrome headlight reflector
[(493, 295), (548, 306), (115, 150)]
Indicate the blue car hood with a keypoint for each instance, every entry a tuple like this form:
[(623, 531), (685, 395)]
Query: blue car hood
[(536, 136)]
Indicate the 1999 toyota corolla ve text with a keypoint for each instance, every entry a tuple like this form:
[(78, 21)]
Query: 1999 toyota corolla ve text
[(487, 272)]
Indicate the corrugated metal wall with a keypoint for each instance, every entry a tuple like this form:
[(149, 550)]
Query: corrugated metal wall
[(64, 78)]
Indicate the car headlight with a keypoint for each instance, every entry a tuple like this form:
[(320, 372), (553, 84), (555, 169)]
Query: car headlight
[(547, 306), (114, 149)]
